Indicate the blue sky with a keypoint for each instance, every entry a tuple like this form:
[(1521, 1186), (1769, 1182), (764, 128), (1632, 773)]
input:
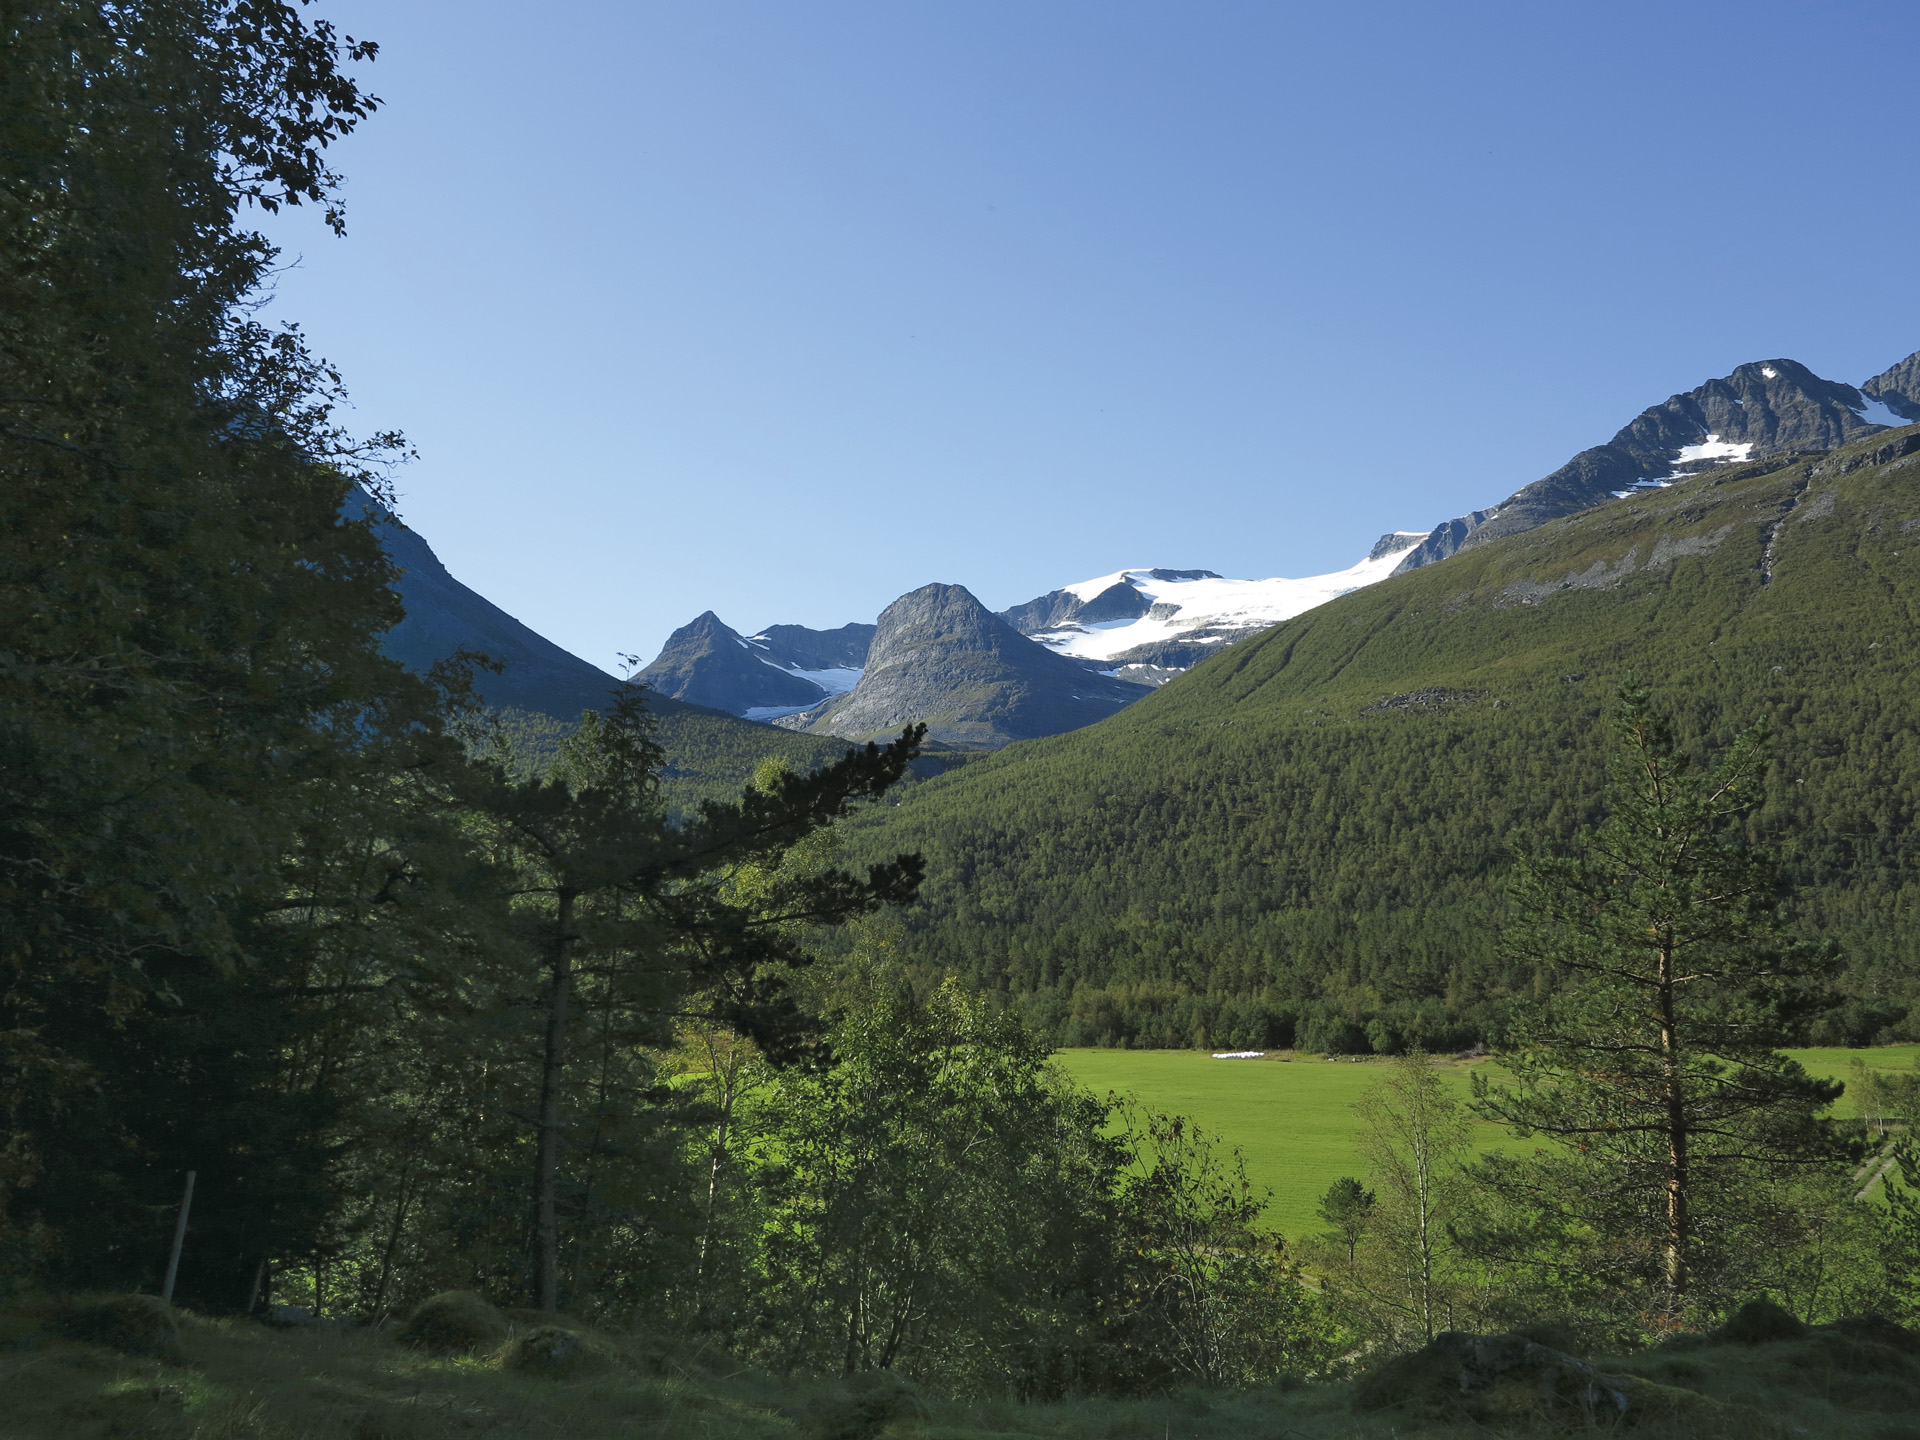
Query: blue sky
[(782, 309)]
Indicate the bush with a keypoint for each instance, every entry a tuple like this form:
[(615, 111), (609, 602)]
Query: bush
[(454, 1322), (131, 1324), (1759, 1322)]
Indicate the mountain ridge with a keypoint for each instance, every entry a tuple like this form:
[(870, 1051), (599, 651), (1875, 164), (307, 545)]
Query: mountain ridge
[(1763, 407), (541, 690)]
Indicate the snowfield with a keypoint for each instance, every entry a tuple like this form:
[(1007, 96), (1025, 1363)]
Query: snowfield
[(1232, 605)]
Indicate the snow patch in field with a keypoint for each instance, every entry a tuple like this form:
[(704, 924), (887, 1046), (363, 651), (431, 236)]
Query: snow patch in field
[(1240, 1055)]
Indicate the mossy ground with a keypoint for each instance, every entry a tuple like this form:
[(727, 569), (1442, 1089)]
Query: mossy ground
[(235, 1380)]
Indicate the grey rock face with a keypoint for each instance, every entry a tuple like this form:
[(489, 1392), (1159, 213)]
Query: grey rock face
[(707, 663), (1898, 388), (1388, 543), (1769, 405), (795, 647), (941, 658)]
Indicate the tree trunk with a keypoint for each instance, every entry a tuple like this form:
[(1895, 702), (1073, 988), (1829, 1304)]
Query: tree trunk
[(1423, 1182), (1679, 1180), (393, 1240), (546, 1224)]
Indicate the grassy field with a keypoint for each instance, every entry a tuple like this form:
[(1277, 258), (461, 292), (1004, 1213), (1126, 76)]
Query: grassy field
[(1293, 1118)]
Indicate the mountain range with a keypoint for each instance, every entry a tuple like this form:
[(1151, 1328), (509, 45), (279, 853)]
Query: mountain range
[(1302, 836), (1136, 629), (539, 690), (1306, 838)]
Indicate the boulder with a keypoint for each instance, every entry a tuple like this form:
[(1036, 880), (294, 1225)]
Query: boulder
[(556, 1354), (454, 1322)]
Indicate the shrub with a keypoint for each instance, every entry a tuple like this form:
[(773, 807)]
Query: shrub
[(454, 1322), (131, 1324), (1758, 1322)]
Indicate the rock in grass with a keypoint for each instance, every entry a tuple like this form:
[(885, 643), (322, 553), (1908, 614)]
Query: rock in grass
[(131, 1324), (1759, 1322), (454, 1322), (1509, 1380), (557, 1354)]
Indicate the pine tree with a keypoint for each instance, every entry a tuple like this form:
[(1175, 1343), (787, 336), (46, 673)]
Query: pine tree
[(1672, 976)]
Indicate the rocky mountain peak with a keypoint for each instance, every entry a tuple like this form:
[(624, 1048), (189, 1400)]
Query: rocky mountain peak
[(942, 658), (707, 662), (1762, 408), (1898, 388)]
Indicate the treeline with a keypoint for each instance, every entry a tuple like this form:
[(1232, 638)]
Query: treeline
[(1307, 840)]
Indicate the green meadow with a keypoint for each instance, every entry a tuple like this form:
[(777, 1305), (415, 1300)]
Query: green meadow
[(1292, 1116)]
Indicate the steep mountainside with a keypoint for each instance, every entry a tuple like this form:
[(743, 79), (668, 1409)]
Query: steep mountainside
[(1765, 408), (1898, 388), (444, 616), (941, 657), (543, 689), (1308, 833)]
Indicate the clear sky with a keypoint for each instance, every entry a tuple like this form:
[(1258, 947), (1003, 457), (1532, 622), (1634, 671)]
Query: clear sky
[(784, 308)]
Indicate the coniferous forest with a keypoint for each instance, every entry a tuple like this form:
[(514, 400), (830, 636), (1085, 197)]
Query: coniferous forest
[(502, 1055)]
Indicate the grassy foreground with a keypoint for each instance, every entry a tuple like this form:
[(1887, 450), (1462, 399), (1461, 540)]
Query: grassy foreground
[(1292, 1116), (236, 1380)]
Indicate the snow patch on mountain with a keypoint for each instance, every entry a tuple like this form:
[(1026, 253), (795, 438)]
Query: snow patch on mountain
[(1713, 448), (1875, 412), (1207, 602), (837, 680), (834, 682)]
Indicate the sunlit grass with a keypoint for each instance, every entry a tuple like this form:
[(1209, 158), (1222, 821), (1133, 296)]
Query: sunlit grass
[(1293, 1119)]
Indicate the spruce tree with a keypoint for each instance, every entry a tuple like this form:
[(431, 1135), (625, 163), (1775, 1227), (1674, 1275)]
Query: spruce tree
[(1672, 975)]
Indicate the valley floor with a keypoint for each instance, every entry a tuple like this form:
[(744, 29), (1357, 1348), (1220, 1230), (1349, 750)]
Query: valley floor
[(1291, 1115)]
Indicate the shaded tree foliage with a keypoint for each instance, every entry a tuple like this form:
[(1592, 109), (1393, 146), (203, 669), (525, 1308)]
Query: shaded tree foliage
[(209, 775)]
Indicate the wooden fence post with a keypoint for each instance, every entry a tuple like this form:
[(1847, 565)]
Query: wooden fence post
[(179, 1239)]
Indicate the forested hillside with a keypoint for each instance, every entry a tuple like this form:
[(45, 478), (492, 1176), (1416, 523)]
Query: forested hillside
[(1308, 836), (708, 756)]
